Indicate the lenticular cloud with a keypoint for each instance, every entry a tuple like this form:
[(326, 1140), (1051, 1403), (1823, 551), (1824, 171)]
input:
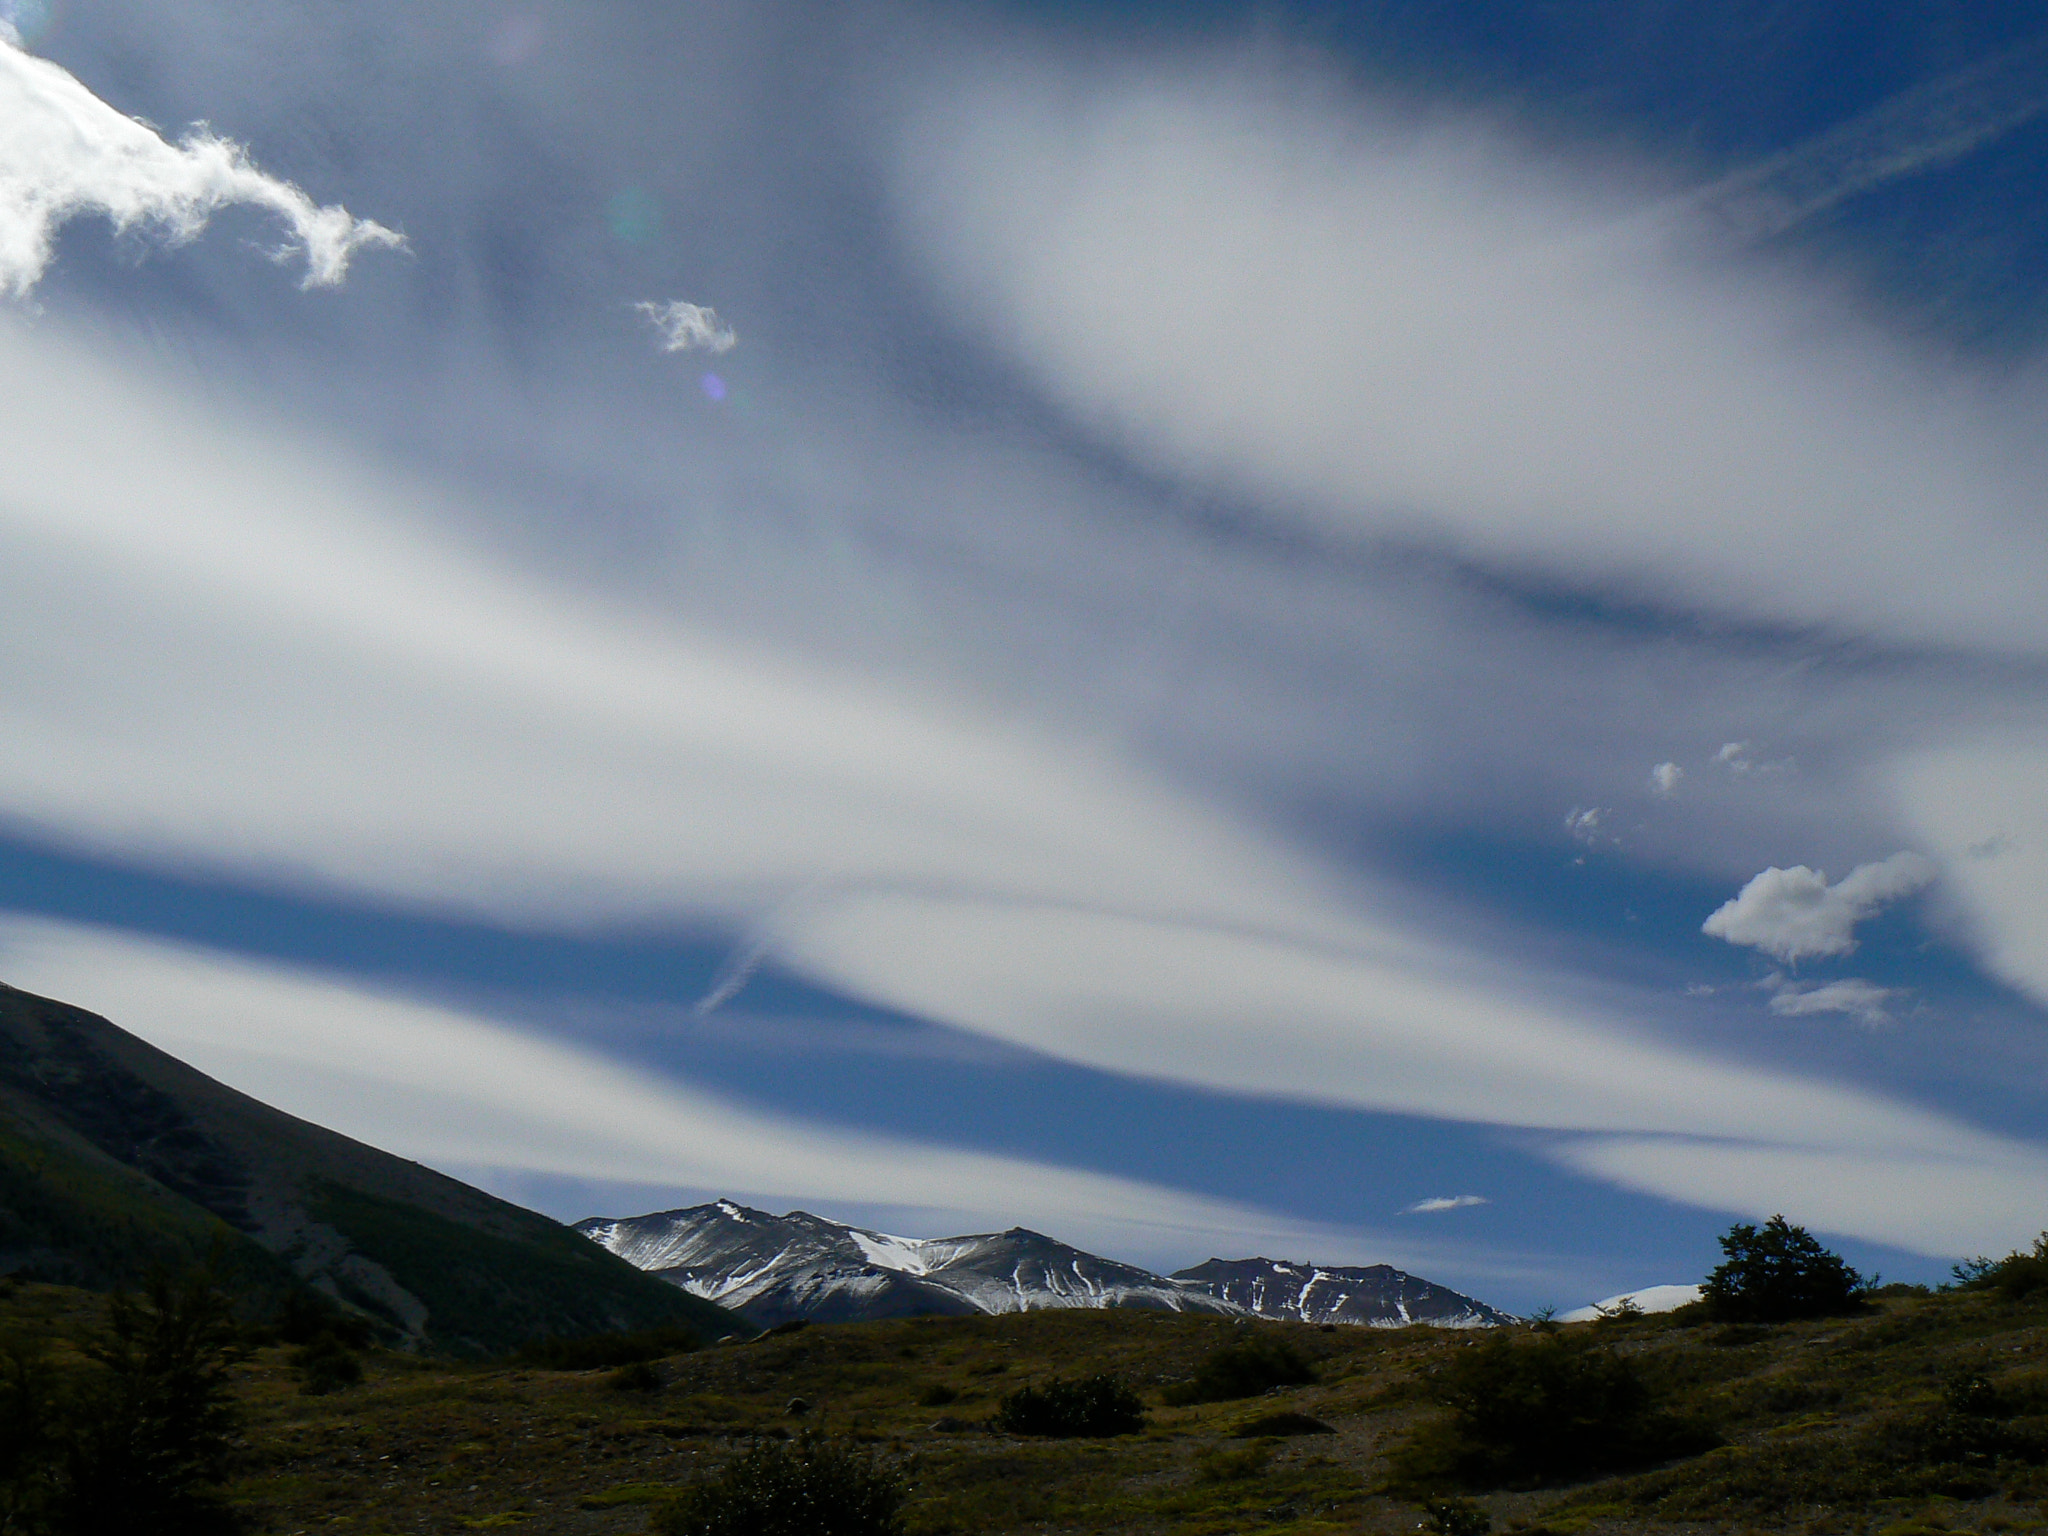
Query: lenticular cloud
[(64, 152)]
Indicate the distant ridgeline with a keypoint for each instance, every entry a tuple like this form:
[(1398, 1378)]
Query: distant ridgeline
[(776, 1269), (116, 1158)]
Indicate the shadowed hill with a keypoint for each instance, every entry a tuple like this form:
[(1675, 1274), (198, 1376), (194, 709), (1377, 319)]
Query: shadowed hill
[(115, 1157)]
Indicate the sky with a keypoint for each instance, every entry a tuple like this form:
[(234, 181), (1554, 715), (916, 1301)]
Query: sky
[(1363, 633)]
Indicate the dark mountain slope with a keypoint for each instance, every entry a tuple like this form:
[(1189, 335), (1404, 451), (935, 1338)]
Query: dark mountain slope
[(115, 1156)]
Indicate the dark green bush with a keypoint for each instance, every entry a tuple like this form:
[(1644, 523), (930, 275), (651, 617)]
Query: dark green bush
[(937, 1395), (598, 1350), (808, 1487), (1243, 1369), (325, 1365), (1094, 1405), (1531, 1409), (637, 1377), (2015, 1277), (1777, 1272)]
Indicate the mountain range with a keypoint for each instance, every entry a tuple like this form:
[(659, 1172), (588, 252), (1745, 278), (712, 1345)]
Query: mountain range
[(116, 1158), (778, 1269)]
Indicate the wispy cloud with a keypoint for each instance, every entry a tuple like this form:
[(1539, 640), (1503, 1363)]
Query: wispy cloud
[(1794, 914), (1442, 1203), (65, 153), (1864, 1001), (688, 327), (1929, 125), (1463, 342)]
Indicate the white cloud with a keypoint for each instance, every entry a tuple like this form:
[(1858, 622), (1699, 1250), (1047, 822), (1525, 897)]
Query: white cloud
[(1442, 1203), (64, 153), (1982, 1195), (1664, 779), (1863, 1001), (226, 650), (684, 327), (1795, 914), (1980, 806), (1464, 341), (1586, 824)]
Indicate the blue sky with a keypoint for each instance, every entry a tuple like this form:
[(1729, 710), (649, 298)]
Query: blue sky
[(1192, 626)]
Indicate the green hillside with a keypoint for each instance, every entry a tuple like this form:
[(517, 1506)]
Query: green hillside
[(116, 1158)]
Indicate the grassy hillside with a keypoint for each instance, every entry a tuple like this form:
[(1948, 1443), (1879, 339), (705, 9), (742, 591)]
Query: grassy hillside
[(1920, 1414), (116, 1158)]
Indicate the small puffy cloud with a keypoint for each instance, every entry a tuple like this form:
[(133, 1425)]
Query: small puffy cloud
[(1734, 755), (1442, 1203), (1586, 824), (1664, 779), (1794, 913), (64, 152), (688, 327), (1863, 1001)]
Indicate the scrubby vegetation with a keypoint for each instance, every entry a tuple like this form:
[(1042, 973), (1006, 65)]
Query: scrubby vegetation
[(1096, 1405), (1243, 1368), (1527, 1410), (1913, 1413), (810, 1488)]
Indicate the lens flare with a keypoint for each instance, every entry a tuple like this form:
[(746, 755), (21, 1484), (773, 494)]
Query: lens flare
[(634, 216), (714, 386)]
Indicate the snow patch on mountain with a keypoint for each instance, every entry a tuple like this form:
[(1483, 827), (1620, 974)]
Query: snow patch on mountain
[(774, 1269)]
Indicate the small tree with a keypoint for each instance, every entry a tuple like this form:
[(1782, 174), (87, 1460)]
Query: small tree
[(1778, 1271), (150, 1432)]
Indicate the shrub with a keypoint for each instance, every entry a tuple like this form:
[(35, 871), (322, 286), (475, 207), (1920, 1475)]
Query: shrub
[(637, 1377), (326, 1365), (1525, 1410), (2015, 1277), (1777, 1272), (809, 1487), (937, 1395), (1094, 1405), (1244, 1369)]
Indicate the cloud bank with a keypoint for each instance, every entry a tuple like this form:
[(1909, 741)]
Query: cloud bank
[(1794, 914), (65, 153)]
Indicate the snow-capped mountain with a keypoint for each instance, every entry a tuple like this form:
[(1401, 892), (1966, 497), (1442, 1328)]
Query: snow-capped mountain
[(1376, 1296), (1651, 1298), (775, 1269), (772, 1269)]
